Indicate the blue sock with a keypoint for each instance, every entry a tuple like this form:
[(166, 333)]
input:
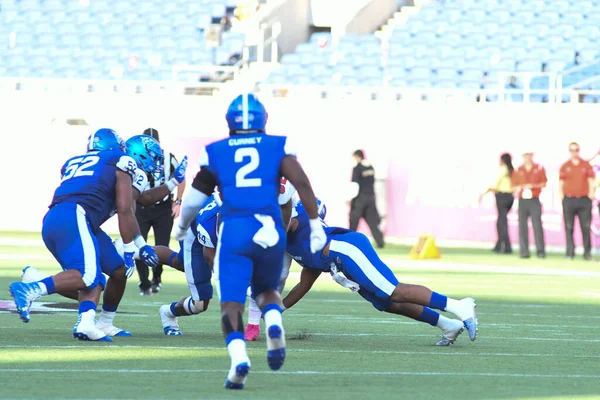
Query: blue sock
[(270, 307), (233, 336), (429, 316), (86, 305), (173, 311), (49, 282), (438, 301), (108, 308)]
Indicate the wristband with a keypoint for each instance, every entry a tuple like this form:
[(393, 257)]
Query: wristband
[(129, 247), (315, 224), (139, 241), (172, 184)]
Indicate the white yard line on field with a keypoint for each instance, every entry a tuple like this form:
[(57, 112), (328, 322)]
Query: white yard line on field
[(365, 373), (441, 352)]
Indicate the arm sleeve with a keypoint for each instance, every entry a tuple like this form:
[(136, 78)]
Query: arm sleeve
[(190, 207), (204, 181), (562, 174)]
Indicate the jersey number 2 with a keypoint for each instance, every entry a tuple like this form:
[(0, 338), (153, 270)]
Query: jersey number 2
[(240, 177), (80, 167)]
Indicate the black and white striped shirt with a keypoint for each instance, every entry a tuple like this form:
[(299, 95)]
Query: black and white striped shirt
[(170, 163)]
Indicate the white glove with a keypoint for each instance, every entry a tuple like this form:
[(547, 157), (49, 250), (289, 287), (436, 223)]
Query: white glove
[(318, 239), (180, 233), (342, 280)]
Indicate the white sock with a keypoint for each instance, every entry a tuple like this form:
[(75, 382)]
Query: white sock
[(444, 323), (254, 313), (273, 317), (453, 305), (107, 317), (237, 352), (88, 316), (43, 289)]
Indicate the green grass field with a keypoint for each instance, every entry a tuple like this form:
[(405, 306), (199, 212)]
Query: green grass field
[(538, 339)]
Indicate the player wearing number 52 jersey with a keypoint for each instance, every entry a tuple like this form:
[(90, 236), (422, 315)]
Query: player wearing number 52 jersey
[(93, 186), (247, 168)]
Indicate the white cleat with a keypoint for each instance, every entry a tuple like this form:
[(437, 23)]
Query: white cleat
[(275, 346), (468, 317), (85, 329), (236, 379), (170, 324), (112, 331), (31, 274), (450, 334)]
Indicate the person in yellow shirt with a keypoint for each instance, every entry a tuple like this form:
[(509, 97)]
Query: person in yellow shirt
[(503, 189)]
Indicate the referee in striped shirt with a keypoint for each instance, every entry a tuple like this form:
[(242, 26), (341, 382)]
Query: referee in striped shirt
[(159, 217)]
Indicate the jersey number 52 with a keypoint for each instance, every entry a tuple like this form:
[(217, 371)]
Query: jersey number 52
[(240, 156), (80, 167)]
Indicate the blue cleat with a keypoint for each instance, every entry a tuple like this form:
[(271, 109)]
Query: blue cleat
[(172, 331), (113, 331), (238, 379), (23, 295), (85, 329), (275, 347)]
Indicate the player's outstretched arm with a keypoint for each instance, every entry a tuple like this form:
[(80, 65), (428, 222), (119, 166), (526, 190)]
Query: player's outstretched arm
[(128, 226), (202, 187), (291, 169), (307, 278)]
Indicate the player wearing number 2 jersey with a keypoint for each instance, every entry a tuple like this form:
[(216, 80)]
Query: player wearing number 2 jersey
[(247, 168), (93, 186)]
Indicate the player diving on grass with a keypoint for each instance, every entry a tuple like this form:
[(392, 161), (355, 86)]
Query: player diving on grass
[(247, 168), (196, 258), (147, 155), (351, 254)]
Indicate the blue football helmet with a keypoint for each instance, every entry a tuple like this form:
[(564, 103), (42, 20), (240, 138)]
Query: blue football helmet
[(105, 139), (146, 152), (246, 113)]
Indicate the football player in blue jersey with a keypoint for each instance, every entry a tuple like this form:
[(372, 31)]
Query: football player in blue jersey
[(195, 256), (92, 187), (247, 168), (147, 155), (351, 254)]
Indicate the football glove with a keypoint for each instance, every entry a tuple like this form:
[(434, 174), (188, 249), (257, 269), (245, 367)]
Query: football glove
[(148, 256), (179, 173)]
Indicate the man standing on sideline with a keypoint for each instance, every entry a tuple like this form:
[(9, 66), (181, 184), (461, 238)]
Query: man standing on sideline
[(528, 183), (159, 217), (576, 189), (363, 203)]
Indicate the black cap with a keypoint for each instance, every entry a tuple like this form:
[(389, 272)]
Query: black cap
[(152, 132), (359, 153)]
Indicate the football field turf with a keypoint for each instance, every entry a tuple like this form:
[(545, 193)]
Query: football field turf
[(538, 338)]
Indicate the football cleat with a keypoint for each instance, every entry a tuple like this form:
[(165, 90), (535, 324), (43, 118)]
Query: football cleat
[(449, 335), (86, 330), (170, 324), (23, 295), (31, 274), (275, 347), (252, 332), (237, 376), (111, 330)]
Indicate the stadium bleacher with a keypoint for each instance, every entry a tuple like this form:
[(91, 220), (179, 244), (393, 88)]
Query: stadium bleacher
[(456, 44), (109, 39)]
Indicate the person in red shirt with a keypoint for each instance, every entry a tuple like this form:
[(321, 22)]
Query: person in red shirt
[(576, 189), (528, 182)]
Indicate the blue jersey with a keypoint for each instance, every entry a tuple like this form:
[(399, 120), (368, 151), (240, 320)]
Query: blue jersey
[(298, 242), (246, 168), (89, 180), (206, 223)]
